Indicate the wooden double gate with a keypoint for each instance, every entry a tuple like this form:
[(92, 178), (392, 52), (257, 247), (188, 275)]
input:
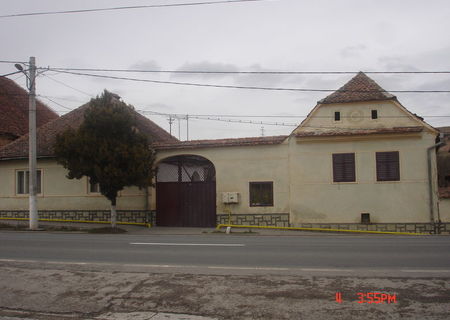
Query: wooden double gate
[(186, 192)]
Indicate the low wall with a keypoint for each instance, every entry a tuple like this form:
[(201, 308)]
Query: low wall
[(129, 216), (443, 228), (273, 219)]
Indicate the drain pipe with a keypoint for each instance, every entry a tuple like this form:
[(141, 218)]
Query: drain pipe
[(430, 179)]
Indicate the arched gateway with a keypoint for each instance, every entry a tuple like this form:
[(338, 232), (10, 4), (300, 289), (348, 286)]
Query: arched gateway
[(186, 192)]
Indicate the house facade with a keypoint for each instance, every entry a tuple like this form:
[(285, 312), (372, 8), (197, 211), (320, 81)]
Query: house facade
[(360, 160)]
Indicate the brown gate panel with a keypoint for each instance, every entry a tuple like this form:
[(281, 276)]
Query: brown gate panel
[(198, 204), (186, 193), (167, 204)]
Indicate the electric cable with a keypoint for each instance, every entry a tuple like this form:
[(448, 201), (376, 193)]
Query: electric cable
[(126, 8), (244, 87)]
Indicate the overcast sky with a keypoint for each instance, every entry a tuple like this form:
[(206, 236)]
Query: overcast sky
[(272, 35)]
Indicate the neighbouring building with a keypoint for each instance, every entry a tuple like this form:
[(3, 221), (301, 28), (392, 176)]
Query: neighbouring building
[(358, 161), (443, 163), (14, 111), (59, 197)]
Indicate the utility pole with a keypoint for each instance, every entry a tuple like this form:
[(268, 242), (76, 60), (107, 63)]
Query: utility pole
[(32, 174), (187, 127), (32, 146), (170, 124)]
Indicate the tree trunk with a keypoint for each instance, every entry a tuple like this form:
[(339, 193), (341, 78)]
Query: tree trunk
[(113, 213)]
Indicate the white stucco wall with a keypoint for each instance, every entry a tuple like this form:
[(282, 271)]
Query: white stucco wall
[(60, 193), (357, 115), (237, 166), (316, 198)]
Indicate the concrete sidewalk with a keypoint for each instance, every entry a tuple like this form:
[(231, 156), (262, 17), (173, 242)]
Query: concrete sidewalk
[(60, 292)]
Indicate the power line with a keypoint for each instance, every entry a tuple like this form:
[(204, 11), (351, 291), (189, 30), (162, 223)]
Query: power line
[(276, 116), (247, 121), (10, 61), (49, 99), (66, 99), (178, 116), (126, 8), (243, 87), (10, 74), (223, 119), (66, 85), (250, 72)]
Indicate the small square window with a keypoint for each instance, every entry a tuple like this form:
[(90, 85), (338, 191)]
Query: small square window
[(337, 116), (261, 194), (94, 188), (365, 218), (374, 114), (23, 181)]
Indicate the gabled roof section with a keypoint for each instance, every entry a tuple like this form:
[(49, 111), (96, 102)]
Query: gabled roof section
[(359, 88), (354, 102), (46, 135), (14, 109)]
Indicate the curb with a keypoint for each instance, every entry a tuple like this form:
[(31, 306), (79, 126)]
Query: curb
[(318, 229)]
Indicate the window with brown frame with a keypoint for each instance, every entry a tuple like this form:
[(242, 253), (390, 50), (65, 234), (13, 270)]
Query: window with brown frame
[(94, 187), (337, 116), (261, 194), (344, 167), (374, 114), (388, 166)]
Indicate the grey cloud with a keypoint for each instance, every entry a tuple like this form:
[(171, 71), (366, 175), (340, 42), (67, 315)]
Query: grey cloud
[(146, 65), (206, 66), (352, 51), (396, 63), (162, 107)]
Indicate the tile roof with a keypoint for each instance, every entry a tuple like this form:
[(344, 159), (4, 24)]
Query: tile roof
[(14, 109), (216, 143), (46, 135), (346, 132), (359, 88)]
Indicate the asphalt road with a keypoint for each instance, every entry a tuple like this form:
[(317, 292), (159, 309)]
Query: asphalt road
[(330, 253)]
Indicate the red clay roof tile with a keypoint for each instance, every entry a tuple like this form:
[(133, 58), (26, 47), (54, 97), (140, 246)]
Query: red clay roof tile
[(359, 88), (46, 135), (346, 132), (14, 109), (240, 142)]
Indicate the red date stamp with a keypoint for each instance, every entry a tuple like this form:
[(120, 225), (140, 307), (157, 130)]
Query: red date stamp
[(370, 297)]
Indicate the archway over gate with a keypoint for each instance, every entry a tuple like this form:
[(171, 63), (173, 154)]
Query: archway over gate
[(186, 192)]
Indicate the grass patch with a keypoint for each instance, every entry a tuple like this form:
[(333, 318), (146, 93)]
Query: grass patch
[(107, 230)]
